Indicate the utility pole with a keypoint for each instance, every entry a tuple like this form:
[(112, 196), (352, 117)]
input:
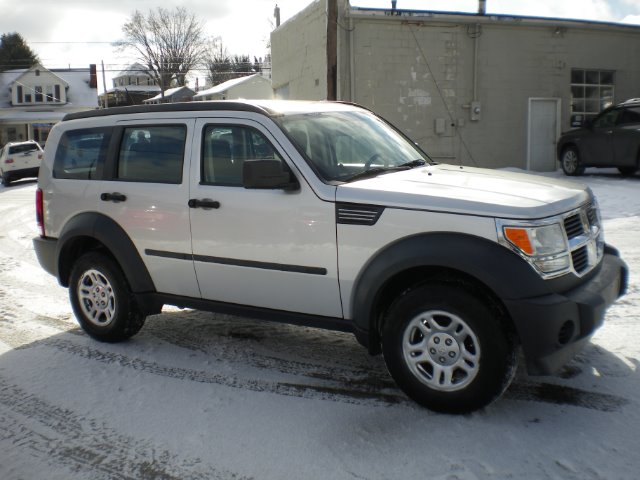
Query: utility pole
[(104, 85), (332, 49)]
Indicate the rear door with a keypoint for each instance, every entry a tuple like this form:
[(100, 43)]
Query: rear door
[(146, 193), (274, 249), (597, 146)]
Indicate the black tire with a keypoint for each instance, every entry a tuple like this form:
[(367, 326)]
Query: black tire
[(446, 328), (101, 299), (5, 180), (570, 162), (626, 171)]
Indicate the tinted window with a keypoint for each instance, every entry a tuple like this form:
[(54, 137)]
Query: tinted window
[(81, 153), (606, 120), (152, 154), (224, 150), (629, 115), (27, 147)]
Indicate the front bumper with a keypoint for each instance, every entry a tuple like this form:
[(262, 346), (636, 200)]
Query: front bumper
[(553, 328)]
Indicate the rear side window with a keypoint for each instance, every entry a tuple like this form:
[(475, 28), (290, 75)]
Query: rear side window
[(81, 153), (224, 150), (152, 154)]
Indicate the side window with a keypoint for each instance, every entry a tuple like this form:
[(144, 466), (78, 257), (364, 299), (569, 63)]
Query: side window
[(629, 115), (81, 153), (606, 120), (224, 150), (152, 154)]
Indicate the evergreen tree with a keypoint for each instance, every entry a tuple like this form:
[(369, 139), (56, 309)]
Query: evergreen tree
[(15, 53)]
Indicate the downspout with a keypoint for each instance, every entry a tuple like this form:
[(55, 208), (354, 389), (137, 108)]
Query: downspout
[(476, 40), (352, 63), (332, 48)]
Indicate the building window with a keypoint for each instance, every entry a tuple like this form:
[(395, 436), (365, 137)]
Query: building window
[(38, 94), (56, 93), (591, 92), (19, 98)]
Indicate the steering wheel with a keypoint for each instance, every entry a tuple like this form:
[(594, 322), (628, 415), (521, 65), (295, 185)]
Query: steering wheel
[(372, 159)]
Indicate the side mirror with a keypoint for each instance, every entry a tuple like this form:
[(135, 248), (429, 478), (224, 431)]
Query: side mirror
[(267, 174)]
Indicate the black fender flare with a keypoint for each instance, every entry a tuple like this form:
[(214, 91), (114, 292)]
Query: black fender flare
[(106, 231), (499, 269)]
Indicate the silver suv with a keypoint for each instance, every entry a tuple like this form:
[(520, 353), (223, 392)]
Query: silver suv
[(20, 160), (323, 214)]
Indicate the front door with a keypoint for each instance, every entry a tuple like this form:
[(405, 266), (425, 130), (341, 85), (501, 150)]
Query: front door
[(274, 249), (597, 147)]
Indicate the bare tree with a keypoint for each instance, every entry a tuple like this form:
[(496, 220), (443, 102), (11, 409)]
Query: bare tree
[(169, 43)]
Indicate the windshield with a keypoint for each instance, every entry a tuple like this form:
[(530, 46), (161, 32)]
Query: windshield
[(341, 146)]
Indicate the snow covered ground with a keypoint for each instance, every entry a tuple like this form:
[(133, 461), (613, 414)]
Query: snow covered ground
[(203, 396)]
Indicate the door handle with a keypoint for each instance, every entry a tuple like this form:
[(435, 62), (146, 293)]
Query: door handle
[(206, 203), (113, 197)]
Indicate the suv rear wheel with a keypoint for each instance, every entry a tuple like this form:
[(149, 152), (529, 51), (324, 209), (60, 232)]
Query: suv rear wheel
[(447, 349), (570, 162), (101, 299)]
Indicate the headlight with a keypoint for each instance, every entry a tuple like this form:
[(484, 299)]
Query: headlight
[(543, 246)]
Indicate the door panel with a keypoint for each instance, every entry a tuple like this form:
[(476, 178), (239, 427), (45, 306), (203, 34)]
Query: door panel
[(148, 197), (265, 248), (596, 148)]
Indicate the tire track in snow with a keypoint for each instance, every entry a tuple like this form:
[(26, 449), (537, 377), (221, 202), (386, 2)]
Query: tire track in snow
[(343, 385), (59, 436), (339, 393)]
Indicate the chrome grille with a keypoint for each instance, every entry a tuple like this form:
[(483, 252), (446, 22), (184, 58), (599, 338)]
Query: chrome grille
[(573, 226), (580, 259), (586, 245)]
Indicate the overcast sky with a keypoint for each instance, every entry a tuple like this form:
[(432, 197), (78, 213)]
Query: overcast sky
[(79, 32)]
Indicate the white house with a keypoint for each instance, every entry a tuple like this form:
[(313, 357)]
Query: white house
[(131, 86), (252, 87), (33, 100)]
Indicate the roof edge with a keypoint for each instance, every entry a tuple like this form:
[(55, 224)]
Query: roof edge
[(434, 15)]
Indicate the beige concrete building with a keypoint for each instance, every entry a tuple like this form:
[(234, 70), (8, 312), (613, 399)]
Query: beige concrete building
[(478, 89)]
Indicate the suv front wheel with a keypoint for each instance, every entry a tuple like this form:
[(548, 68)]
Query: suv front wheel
[(447, 349), (101, 299), (570, 162)]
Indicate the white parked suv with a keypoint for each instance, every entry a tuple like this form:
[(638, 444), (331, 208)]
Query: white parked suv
[(20, 160), (323, 214)]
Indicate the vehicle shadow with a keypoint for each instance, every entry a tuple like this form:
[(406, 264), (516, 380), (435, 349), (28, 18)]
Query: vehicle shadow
[(306, 362)]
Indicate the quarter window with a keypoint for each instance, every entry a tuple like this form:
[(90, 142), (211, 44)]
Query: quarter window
[(152, 154), (81, 153), (224, 150)]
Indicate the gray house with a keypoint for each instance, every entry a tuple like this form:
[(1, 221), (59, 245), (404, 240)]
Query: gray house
[(476, 89)]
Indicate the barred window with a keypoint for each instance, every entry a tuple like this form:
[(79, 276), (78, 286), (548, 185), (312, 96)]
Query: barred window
[(591, 92)]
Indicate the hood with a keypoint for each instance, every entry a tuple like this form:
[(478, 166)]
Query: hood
[(470, 191)]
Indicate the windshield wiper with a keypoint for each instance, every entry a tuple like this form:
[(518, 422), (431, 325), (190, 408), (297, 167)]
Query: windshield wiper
[(374, 172)]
